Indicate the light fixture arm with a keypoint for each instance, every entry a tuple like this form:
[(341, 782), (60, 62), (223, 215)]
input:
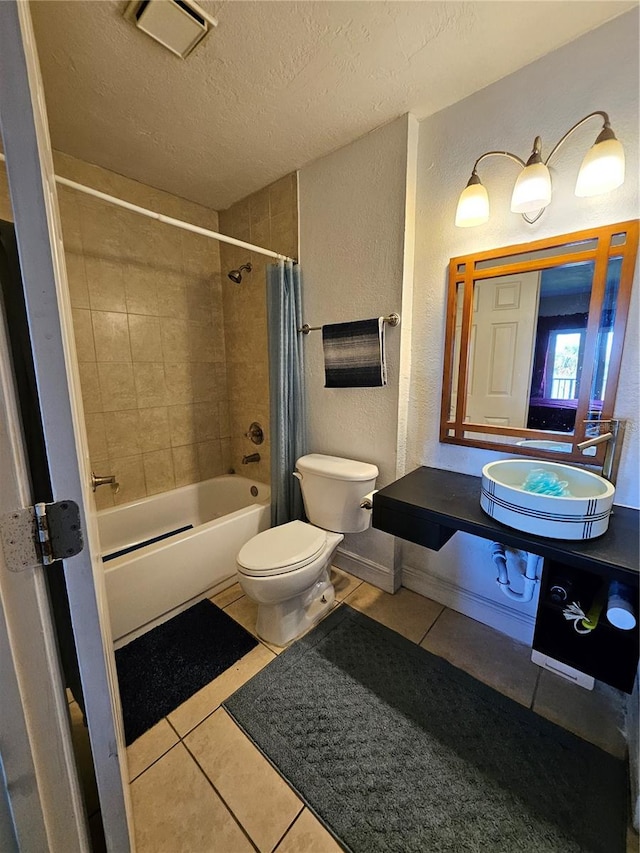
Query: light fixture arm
[(508, 154), (606, 126), (536, 148)]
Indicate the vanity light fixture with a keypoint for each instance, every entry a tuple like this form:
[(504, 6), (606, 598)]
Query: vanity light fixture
[(602, 170)]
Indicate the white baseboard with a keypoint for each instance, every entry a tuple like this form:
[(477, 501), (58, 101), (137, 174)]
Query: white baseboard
[(367, 570), (500, 616)]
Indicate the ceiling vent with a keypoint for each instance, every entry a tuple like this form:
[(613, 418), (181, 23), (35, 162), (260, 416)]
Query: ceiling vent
[(176, 24)]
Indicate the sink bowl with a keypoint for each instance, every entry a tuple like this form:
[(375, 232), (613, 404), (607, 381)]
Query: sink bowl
[(583, 515)]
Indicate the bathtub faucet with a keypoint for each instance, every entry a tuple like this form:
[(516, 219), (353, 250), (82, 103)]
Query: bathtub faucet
[(252, 457), (108, 480)]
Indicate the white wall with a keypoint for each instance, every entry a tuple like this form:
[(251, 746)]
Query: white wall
[(597, 71), (353, 213), (356, 210)]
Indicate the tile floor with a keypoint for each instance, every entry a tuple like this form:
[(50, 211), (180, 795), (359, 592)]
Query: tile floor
[(199, 785)]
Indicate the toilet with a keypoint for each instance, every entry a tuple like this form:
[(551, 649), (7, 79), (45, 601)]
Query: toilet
[(286, 569)]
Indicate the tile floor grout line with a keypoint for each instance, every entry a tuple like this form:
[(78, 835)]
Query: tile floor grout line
[(219, 705), (222, 799), (155, 761), (278, 771), (193, 728), (171, 724), (432, 624), (253, 633), (229, 603), (288, 829), (535, 689)]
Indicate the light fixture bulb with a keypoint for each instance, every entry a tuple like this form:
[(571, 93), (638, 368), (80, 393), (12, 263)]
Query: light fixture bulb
[(532, 190), (473, 204), (602, 169)]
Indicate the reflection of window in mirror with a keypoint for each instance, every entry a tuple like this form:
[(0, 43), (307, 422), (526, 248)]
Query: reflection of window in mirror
[(565, 354), (563, 313)]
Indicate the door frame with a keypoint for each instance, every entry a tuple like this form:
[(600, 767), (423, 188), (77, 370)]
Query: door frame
[(40, 778), (30, 173)]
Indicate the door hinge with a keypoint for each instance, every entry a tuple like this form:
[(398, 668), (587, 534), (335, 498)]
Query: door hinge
[(41, 534)]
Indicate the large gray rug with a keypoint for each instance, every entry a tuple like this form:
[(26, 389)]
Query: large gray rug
[(396, 750)]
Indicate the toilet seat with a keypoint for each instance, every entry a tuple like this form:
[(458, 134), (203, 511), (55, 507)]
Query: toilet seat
[(281, 549)]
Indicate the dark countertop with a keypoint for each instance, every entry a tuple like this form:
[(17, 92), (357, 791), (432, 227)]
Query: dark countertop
[(429, 505)]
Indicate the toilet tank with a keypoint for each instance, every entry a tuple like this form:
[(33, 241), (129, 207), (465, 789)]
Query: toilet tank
[(332, 489)]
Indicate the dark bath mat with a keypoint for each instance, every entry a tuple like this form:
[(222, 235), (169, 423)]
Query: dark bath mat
[(394, 749), (163, 668)]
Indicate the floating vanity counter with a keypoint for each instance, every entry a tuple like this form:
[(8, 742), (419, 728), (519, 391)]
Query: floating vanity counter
[(429, 505)]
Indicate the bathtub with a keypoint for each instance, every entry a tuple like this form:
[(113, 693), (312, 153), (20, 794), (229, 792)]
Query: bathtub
[(154, 580)]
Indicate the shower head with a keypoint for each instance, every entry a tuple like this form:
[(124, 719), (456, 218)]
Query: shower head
[(236, 275)]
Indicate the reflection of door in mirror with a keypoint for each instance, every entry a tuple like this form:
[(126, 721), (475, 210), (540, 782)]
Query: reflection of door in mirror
[(501, 349)]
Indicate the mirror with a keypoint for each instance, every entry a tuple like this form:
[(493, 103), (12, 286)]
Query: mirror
[(534, 342)]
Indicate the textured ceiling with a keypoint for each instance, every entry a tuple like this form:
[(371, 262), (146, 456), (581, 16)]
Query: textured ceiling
[(278, 84)]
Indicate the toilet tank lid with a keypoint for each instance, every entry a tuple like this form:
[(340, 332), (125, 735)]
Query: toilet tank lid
[(336, 468)]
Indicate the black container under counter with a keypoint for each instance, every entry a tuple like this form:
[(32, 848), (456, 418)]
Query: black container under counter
[(429, 505)]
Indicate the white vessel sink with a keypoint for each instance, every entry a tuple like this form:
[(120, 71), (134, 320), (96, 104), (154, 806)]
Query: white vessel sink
[(584, 515)]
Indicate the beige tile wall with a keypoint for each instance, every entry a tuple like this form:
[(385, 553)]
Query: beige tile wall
[(267, 218), (156, 359), (148, 321)]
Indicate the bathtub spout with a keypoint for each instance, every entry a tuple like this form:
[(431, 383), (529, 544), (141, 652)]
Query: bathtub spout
[(252, 457)]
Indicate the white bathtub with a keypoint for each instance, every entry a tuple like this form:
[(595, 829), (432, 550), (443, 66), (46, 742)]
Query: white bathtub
[(159, 578)]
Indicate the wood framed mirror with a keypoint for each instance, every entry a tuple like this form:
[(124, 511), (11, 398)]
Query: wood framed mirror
[(534, 341)]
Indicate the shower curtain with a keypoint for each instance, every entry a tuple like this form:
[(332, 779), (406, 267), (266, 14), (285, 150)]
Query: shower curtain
[(286, 377)]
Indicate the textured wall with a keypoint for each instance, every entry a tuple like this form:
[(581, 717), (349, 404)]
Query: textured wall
[(352, 227), (147, 317), (597, 71), (268, 218)]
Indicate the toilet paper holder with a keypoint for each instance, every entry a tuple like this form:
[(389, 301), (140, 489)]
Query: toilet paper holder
[(367, 500)]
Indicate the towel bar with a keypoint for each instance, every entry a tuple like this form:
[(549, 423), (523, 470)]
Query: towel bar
[(392, 320)]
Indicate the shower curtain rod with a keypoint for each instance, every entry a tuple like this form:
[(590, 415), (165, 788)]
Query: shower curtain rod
[(168, 220)]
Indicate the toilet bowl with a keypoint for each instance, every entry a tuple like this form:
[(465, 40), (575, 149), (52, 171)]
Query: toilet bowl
[(286, 570)]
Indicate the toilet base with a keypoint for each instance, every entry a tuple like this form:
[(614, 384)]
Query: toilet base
[(282, 623)]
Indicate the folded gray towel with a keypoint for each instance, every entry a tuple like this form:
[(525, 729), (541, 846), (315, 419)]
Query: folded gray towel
[(354, 354)]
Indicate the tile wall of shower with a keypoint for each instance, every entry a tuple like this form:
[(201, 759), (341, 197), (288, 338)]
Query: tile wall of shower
[(268, 218), (147, 317), (172, 355)]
